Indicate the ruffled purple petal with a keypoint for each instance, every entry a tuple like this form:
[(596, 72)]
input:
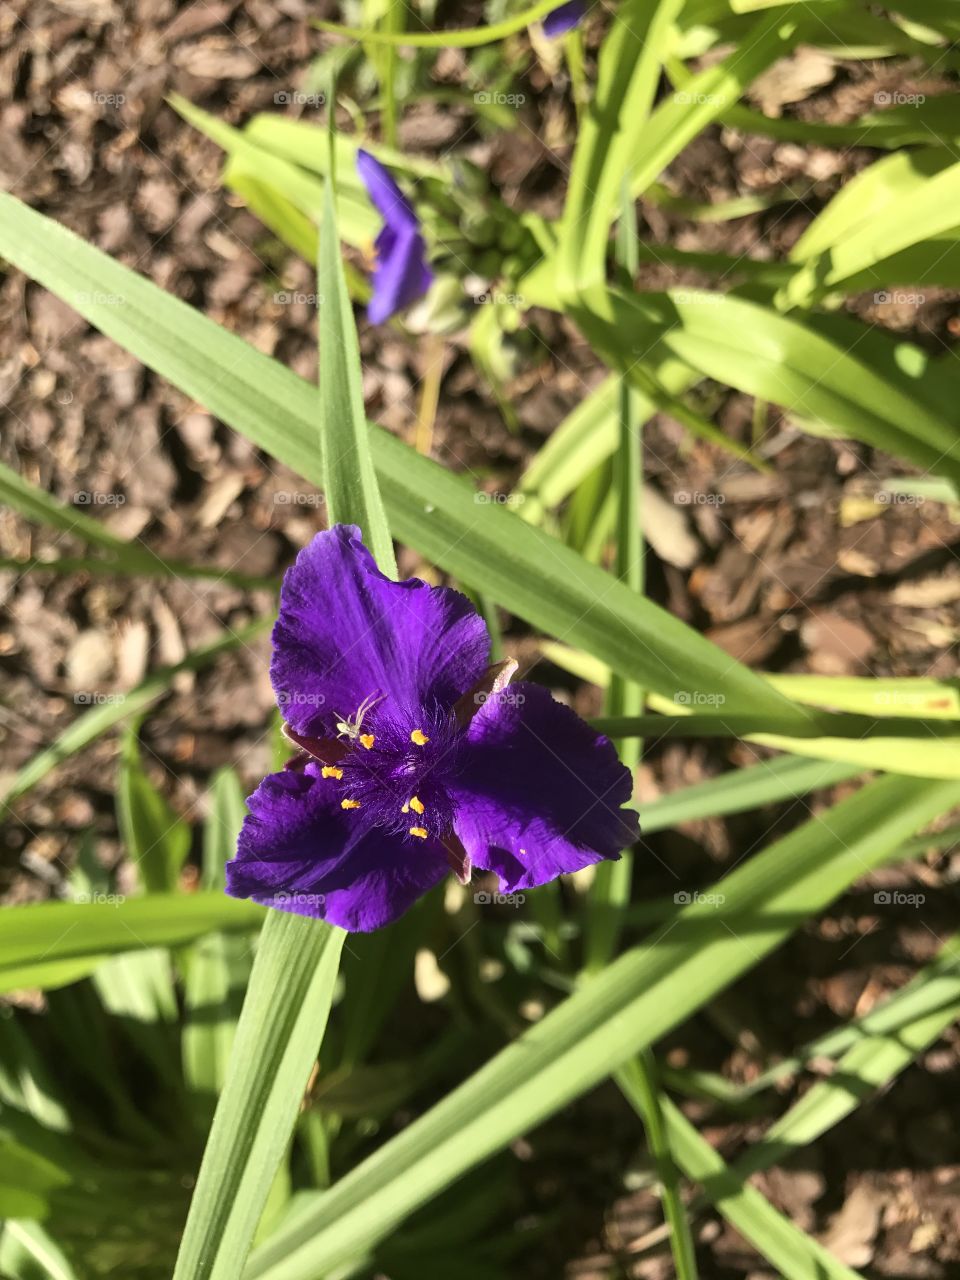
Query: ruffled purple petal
[(401, 274), (299, 851), (563, 19), (538, 792), (346, 633)]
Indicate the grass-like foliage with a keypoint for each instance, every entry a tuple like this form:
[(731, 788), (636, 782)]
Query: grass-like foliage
[(235, 1106)]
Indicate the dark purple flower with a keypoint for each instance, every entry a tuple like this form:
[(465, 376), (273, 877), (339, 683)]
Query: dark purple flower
[(416, 756), (559, 21), (400, 274)]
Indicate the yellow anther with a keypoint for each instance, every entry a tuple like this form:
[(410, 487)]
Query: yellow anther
[(416, 804), (331, 771), (366, 740), (349, 804), (405, 809), (419, 737), (419, 832)]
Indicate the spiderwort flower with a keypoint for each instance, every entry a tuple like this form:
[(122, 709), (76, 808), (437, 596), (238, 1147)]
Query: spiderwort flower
[(559, 21), (416, 755), (401, 274)]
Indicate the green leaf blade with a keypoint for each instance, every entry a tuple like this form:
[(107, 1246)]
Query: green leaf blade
[(522, 568), (630, 1005), (277, 1038), (350, 481)]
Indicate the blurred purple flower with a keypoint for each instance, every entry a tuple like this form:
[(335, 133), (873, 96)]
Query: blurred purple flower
[(400, 274), (559, 21), (416, 755)]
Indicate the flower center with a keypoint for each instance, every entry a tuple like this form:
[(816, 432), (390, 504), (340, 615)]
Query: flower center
[(396, 772)]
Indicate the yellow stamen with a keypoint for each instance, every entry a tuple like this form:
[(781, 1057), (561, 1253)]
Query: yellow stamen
[(419, 738), (331, 771), (349, 804), (367, 740), (416, 804), (419, 832), (405, 809)]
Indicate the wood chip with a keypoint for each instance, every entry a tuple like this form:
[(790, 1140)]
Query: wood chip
[(792, 79), (220, 496), (836, 644), (666, 526), (852, 1231), (217, 60), (133, 648)]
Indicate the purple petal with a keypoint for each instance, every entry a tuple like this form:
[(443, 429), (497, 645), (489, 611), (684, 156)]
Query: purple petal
[(392, 205), (299, 851), (347, 633), (559, 21), (539, 792), (401, 274)]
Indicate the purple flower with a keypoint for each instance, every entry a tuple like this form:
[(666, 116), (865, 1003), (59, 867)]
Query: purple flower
[(401, 274), (559, 21), (416, 755)]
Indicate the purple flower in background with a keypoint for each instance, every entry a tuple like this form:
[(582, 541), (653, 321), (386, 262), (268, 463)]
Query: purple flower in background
[(401, 274), (417, 756), (559, 21)]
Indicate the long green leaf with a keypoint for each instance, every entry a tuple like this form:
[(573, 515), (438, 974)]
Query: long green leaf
[(911, 1020), (26, 1180), (522, 568), (629, 1006), (924, 995), (125, 557), (219, 966), (36, 504), (119, 708), (917, 213), (290, 180), (868, 1064), (636, 149), (28, 1253), (464, 38), (585, 439), (870, 194), (59, 933), (157, 839), (648, 1101), (779, 359), (912, 125), (921, 747), (285, 1010), (921, 696), (610, 891), (795, 1255), (304, 144), (769, 782), (278, 1034), (629, 71), (349, 481)]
